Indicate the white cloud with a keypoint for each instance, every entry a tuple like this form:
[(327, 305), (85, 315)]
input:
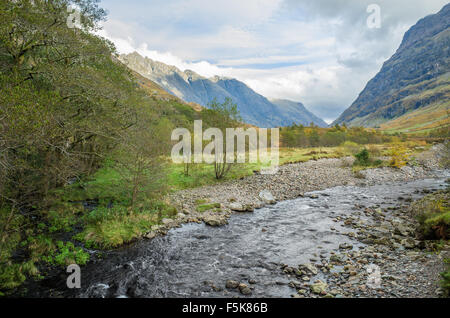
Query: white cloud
[(126, 46), (318, 52)]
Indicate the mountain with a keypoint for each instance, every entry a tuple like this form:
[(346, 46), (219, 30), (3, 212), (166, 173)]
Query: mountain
[(293, 109), (157, 92), (189, 86), (412, 90)]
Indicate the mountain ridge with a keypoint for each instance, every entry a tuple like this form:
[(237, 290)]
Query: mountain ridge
[(191, 87), (416, 76)]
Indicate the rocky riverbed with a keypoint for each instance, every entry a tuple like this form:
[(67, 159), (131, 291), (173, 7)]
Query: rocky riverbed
[(391, 262), (291, 181), (341, 236), (315, 229), (345, 241)]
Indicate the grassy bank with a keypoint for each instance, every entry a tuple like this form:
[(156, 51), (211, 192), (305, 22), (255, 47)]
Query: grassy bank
[(433, 215)]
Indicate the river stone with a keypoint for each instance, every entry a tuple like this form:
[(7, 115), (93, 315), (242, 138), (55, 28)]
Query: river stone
[(267, 197), (319, 287), (167, 222), (231, 284), (249, 208), (238, 207), (408, 243), (295, 284), (155, 227), (150, 235), (336, 258), (244, 289), (310, 267), (402, 229), (215, 220), (345, 246)]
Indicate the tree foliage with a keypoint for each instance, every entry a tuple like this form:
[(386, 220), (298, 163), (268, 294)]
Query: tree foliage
[(222, 116), (66, 105), (65, 101), (301, 136)]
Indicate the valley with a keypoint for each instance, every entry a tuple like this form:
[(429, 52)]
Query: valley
[(357, 208)]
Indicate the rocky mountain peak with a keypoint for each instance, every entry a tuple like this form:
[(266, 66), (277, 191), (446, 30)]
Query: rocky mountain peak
[(191, 87), (415, 77)]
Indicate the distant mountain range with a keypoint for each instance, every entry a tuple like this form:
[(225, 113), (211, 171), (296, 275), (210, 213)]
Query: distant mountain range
[(189, 86), (412, 90), (299, 111)]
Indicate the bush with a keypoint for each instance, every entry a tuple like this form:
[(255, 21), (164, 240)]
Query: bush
[(13, 275), (433, 215), (67, 254), (399, 157), (445, 282), (362, 158)]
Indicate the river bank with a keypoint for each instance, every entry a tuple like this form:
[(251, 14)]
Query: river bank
[(218, 202), (330, 243), (389, 256), (317, 244)]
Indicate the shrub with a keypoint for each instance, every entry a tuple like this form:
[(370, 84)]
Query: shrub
[(362, 158), (433, 214), (350, 147), (399, 157), (13, 275), (66, 254)]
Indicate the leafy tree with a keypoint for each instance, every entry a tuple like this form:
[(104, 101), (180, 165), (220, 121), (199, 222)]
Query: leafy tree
[(222, 116), (66, 105)]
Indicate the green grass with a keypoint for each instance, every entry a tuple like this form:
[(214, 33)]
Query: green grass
[(433, 214), (118, 230), (65, 254), (203, 174), (106, 185), (207, 207), (112, 221)]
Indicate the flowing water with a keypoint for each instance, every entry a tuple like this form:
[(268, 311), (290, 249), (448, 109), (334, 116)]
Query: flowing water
[(189, 260)]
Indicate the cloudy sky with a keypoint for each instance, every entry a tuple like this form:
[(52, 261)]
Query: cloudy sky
[(321, 52)]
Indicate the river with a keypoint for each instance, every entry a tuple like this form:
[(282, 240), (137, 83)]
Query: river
[(195, 260)]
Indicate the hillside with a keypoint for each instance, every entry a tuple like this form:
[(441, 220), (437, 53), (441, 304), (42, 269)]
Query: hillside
[(157, 92), (414, 78), (292, 108), (254, 108)]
